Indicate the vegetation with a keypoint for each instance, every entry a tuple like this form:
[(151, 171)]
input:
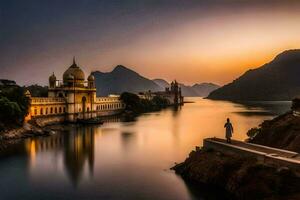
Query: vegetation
[(137, 105), (13, 106), (253, 132), (37, 90)]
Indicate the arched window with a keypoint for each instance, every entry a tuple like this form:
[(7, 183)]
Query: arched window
[(88, 109), (46, 111), (41, 111), (55, 110), (64, 109), (59, 109), (35, 111)]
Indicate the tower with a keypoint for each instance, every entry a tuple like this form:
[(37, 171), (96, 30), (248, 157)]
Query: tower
[(52, 81), (91, 81)]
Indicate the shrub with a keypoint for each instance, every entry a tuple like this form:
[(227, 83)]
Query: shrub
[(13, 104), (138, 105)]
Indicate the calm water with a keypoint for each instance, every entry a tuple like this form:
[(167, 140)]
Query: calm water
[(124, 160)]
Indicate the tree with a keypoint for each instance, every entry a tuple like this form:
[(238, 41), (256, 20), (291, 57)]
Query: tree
[(132, 102), (14, 104), (37, 90), (137, 105), (160, 102)]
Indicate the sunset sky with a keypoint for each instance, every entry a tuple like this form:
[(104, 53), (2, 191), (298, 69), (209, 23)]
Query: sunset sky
[(188, 40)]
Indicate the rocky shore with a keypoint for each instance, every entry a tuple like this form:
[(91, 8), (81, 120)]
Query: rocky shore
[(245, 177), (241, 177), (281, 132), (14, 135)]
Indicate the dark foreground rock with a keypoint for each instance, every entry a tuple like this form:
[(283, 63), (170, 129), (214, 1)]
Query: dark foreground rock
[(281, 132), (242, 177)]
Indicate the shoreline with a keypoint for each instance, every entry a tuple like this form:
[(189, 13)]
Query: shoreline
[(240, 176), (244, 177), (28, 130), (33, 129)]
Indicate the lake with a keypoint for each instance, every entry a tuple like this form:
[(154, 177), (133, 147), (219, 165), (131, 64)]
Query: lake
[(125, 160)]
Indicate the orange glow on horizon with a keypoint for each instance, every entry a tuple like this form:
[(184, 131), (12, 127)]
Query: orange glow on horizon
[(216, 45)]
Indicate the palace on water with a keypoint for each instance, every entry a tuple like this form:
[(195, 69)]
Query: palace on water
[(72, 99)]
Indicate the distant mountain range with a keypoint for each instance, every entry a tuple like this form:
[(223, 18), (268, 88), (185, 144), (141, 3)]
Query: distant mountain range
[(122, 79), (276, 80), (201, 90)]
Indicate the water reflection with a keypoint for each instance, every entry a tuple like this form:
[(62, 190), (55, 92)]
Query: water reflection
[(77, 147), (124, 160), (263, 107), (128, 138)]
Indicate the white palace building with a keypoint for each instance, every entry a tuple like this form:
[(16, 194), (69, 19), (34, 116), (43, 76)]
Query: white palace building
[(72, 99)]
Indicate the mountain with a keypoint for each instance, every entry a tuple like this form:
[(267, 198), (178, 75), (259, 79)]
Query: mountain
[(161, 82), (276, 80), (122, 79), (201, 90)]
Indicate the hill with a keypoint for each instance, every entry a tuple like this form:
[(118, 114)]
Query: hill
[(201, 90), (161, 82), (122, 79), (276, 80)]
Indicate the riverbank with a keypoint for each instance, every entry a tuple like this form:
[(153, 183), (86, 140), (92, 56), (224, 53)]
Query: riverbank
[(28, 130), (242, 177), (245, 177)]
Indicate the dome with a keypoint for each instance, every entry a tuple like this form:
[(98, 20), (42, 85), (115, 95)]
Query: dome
[(75, 71), (69, 77), (91, 77)]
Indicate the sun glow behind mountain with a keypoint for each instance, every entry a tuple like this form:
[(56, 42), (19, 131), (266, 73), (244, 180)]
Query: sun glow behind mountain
[(195, 41)]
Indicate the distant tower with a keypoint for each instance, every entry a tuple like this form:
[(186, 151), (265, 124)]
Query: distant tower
[(175, 92), (91, 81), (52, 81), (172, 86)]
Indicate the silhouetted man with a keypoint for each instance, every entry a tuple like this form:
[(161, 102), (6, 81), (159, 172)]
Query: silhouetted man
[(229, 130)]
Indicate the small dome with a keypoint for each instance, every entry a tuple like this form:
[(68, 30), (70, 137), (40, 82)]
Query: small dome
[(52, 78), (75, 71), (27, 93), (91, 77)]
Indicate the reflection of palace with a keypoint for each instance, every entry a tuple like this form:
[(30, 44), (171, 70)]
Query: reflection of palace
[(73, 98), (77, 148)]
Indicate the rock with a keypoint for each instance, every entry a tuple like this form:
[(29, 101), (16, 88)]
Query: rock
[(281, 132), (242, 177)]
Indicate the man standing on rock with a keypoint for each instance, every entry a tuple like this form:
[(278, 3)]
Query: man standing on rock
[(229, 130)]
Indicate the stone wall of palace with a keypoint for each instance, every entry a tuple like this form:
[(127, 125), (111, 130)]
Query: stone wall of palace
[(47, 106), (55, 109)]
